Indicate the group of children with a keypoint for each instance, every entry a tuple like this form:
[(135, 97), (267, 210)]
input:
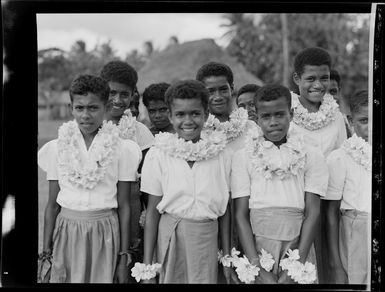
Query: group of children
[(275, 179)]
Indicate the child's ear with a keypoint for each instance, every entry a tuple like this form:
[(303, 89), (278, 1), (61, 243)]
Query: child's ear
[(169, 116), (291, 114), (296, 78), (350, 120)]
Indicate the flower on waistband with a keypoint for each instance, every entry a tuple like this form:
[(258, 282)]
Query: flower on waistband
[(142, 271)]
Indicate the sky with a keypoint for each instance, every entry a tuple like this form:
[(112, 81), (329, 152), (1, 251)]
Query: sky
[(127, 31)]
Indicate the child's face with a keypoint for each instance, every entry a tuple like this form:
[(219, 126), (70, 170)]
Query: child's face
[(220, 94), (334, 90), (246, 101), (158, 114), (360, 122), (274, 119), (188, 117), (120, 98), (313, 83), (88, 111)]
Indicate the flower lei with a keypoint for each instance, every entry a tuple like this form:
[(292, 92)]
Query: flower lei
[(359, 150), (207, 147), (301, 273), (86, 173), (145, 272), (314, 121), (232, 128), (245, 270), (126, 126), (264, 155)]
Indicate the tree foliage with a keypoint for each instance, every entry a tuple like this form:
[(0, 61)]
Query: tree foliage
[(258, 44)]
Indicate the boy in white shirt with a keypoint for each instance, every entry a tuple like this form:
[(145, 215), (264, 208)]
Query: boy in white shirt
[(348, 201), (276, 184), (186, 175), (89, 169)]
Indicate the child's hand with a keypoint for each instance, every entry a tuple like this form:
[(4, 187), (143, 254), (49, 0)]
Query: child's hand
[(266, 278), (284, 278), (150, 281), (122, 270), (230, 275)]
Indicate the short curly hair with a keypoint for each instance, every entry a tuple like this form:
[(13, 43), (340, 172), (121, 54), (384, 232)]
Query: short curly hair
[(253, 88), (84, 84), (314, 56), (119, 71), (358, 100), (215, 69), (271, 92), (155, 91), (187, 89)]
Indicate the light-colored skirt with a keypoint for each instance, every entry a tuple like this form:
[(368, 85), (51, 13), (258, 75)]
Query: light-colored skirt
[(187, 250), (86, 244), (277, 230), (353, 246)]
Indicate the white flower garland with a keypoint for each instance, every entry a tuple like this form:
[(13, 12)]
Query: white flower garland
[(245, 270), (359, 150), (267, 161), (145, 272), (314, 121), (232, 128), (207, 147), (126, 126), (301, 273), (86, 173)]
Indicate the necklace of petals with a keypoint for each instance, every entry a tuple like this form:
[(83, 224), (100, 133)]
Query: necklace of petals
[(359, 150), (126, 126)]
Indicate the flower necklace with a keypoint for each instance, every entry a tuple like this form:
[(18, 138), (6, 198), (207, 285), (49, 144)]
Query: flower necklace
[(359, 150), (266, 160), (207, 147), (126, 126), (87, 172), (314, 121), (232, 128)]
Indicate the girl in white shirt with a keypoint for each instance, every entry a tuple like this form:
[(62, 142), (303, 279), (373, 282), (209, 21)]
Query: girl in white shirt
[(89, 169), (186, 175), (276, 184), (348, 201)]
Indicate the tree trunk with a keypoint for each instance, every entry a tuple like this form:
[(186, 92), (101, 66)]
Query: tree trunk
[(285, 49)]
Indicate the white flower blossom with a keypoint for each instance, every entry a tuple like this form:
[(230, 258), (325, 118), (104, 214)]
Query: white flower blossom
[(359, 150), (87, 172), (144, 272), (126, 126), (300, 273), (246, 271), (266, 260), (313, 121), (270, 160), (232, 128)]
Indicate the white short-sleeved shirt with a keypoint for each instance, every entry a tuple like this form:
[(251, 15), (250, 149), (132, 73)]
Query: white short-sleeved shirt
[(349, 181), (144, 137), (289, 192), (200, 192), (239, 142), (103, 196), (327, 138)]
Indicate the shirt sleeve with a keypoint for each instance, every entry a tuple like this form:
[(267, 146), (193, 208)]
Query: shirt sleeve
[(337, 175), (342, 135), (129, 159), (151, 178), (144, 137), (47, 159), (240, 179), (316, 172)]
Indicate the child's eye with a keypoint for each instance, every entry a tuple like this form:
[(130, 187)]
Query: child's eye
[(197, 114)]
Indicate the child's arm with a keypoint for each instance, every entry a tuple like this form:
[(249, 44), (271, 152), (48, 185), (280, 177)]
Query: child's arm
[(123, 196), (245, 233), (51, 211), (332, 208), (342, 133), (308, 230), (151, 230), (224, 233)]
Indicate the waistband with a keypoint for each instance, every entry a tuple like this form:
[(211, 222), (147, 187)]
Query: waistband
[(177, 218), (353, 213), (94, 214), (278, 211)]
